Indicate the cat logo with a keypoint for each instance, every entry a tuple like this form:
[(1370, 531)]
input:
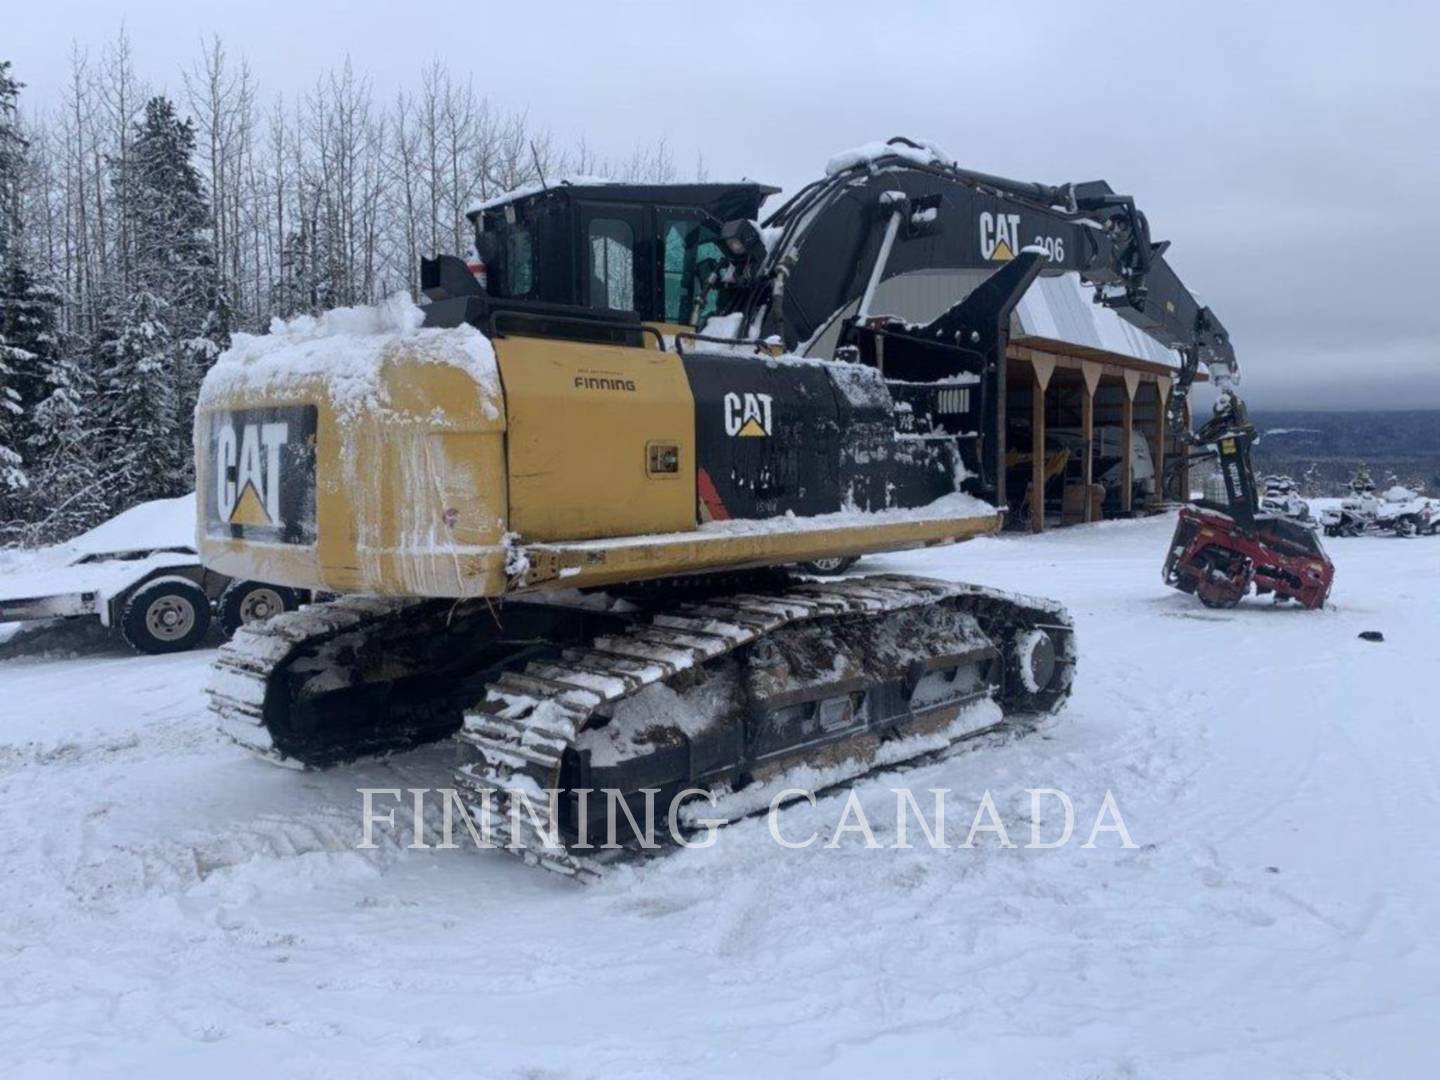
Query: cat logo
[(747, 416), (999, 236), (260, 482), (247, 464)]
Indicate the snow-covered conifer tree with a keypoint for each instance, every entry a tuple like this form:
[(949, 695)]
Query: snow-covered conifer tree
[(147, 448), (13, 479), (173, 258)]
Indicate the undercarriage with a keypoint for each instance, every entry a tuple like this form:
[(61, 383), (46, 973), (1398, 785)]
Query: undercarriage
[(644, 698)]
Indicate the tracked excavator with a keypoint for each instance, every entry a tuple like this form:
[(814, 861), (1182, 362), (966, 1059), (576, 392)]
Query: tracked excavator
[(560, 508)]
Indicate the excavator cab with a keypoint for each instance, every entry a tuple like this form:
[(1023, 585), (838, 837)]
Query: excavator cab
[(641, 265), (637, 253)]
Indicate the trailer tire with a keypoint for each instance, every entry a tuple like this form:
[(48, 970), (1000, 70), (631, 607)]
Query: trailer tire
[(253, 601), (165, 615), (832, 567)]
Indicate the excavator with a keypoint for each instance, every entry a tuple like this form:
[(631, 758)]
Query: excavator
[(561, 505)]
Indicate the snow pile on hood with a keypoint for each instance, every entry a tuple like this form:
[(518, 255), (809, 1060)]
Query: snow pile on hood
[(927, 153), (347, 348)]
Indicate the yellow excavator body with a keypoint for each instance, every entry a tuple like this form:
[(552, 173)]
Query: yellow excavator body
[(575, 468)]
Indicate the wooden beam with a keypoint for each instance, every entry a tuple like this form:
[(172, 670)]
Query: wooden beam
[(1115, 362), (1127, 430), (1162, 394), (1185, 462), (1037, 448), (1087, 434), (1044, 365), (1132, 382)]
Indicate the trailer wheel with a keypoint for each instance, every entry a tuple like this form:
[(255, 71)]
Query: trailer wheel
[(245, 602), (829, 567), (166, 615)]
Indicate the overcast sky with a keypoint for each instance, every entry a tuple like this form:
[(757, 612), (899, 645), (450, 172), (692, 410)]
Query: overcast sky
[(1289, 151)]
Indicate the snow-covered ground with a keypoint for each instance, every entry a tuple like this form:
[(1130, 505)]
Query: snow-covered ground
[(172, 908)]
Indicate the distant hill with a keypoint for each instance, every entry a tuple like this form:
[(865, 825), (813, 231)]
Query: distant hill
[(1327, 446)]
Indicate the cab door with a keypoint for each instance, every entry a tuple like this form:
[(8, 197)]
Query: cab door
[(615, 245)]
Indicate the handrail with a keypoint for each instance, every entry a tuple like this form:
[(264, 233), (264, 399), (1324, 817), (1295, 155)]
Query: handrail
[(596, 326)]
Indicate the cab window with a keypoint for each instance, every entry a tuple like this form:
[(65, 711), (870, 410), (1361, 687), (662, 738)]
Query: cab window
[(519, 263), (691, 250), (612, 264)]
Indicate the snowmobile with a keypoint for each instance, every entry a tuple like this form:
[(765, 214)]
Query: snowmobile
[(1356, 515), (561, 503), (1221, 550), (1282, 497), (1353, 517), (1403, 512)]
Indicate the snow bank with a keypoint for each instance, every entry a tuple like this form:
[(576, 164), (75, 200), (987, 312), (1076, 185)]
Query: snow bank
[(347, 348), (175, 908)]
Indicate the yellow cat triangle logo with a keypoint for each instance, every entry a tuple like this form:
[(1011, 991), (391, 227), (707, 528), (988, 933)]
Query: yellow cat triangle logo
[(249, 508), (1002, 252), (751, 429)]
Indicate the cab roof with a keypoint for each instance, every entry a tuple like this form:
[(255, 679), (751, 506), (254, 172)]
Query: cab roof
[(723, 201)]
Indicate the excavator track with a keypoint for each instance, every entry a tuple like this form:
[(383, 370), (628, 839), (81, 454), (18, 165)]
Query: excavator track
[(244, 674), (362, 676), (519, 685), (529, 719)]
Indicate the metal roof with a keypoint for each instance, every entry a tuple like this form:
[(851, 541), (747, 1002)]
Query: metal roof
[(1060, 308)]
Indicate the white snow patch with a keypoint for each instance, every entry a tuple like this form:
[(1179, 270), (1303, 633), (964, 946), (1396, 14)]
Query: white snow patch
[(157, 524), (535, 188), (347, 348), (868, 153), (175, 908), (57, 571)]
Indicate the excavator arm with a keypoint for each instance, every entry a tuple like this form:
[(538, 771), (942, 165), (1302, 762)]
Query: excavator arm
[(809, 274), (907, 209)]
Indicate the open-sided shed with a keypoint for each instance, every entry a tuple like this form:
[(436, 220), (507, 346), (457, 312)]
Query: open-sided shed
[(1076, 366)]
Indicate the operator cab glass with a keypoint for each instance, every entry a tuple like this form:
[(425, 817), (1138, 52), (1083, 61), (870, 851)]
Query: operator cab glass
[(518, 265), (690, 253), (610, 245)]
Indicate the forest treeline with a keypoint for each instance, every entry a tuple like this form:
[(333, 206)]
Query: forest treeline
[(139, 229)]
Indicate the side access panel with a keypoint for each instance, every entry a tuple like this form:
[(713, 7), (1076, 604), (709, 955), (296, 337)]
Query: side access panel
[(601, 440)]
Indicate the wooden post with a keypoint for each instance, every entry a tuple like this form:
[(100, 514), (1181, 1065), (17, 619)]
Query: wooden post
[(1043, 369), (1091, 371), (1127, 433), (1162, 395), (1185, 461)]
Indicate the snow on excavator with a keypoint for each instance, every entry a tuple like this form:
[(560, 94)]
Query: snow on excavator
[(561, 505)]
